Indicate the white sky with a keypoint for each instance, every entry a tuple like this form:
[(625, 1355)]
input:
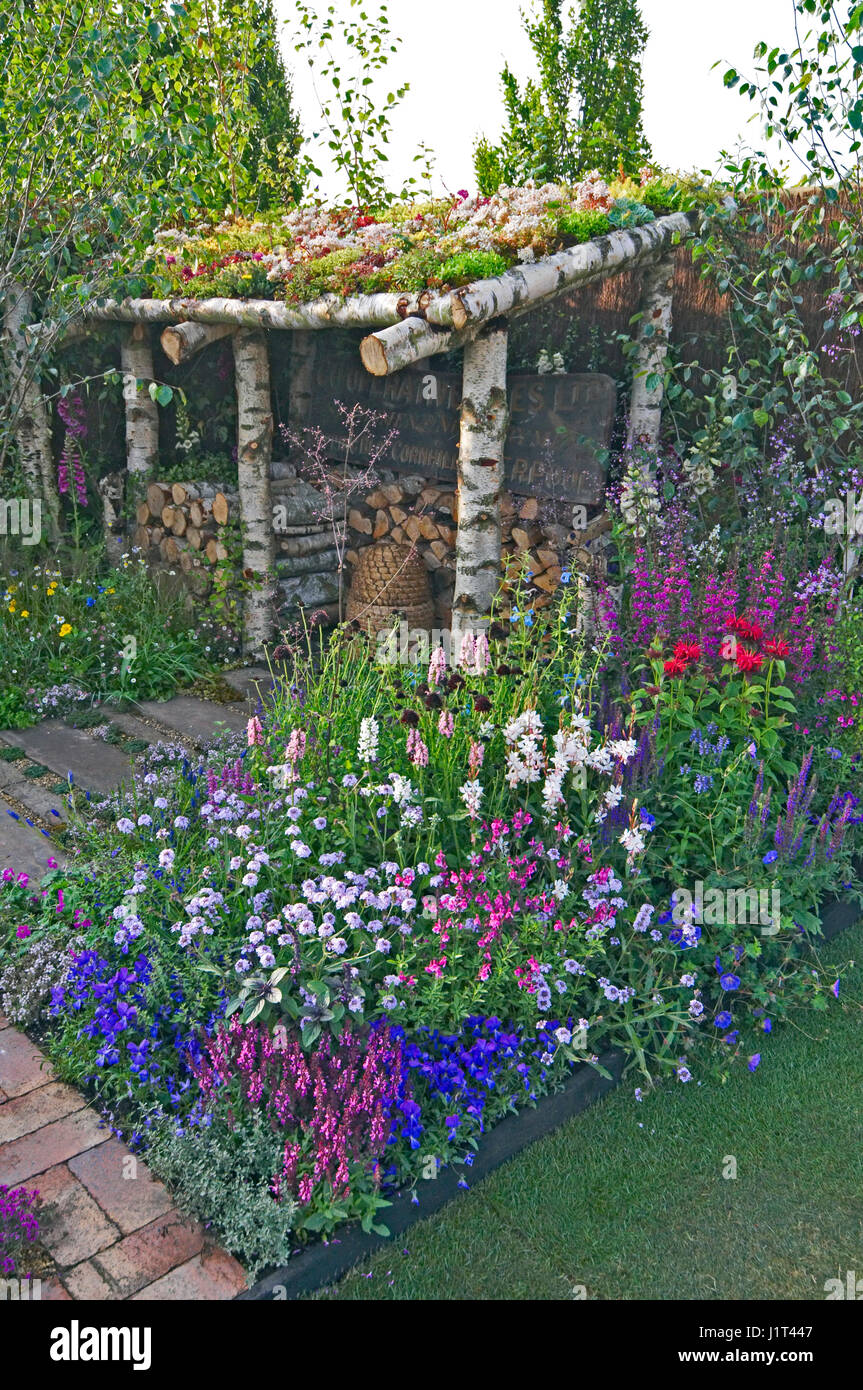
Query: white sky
[(452, 53)]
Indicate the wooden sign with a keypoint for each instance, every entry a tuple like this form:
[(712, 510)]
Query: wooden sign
[(557, 424)]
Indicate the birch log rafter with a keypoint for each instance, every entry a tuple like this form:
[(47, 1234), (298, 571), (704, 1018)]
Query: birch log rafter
[(451, 320), (180, 341), (535, 283), (330, 311)]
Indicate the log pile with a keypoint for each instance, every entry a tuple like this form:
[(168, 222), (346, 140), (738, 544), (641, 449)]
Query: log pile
[(182, 525), (415, 510)]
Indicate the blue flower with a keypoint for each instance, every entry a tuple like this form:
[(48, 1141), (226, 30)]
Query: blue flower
[(729, 981), (754, 1060), (722, 1020), (770, 856)]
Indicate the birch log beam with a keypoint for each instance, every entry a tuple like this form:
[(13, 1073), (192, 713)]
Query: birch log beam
[(451, 320), (26, 405), (254, 452), (652, 339), (544, 279), (392, 348), (484, 415), (142, 412), (180, 341), (330, 311)]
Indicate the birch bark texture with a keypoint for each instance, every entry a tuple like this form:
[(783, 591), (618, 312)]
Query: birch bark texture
[(652, 338), (484, 417), (28, 409), (254, 453), (142, 412), (180, 341)]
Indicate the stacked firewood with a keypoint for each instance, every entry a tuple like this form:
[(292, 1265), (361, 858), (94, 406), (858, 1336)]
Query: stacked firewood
[(182, 525), (413, 510)]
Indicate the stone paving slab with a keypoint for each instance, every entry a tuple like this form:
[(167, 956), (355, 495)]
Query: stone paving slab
[(201, 720), (38, 800), (23, 1068), (33, 1154), (24, 1114), (122, 1185), (214, 1276), (22, 847), (252, 682), (95, 765), (72, 1226)]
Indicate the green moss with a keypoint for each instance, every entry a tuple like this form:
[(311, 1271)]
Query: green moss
[(11, 755), (314, 278), (411, 273), (583, 226), (467, 266)]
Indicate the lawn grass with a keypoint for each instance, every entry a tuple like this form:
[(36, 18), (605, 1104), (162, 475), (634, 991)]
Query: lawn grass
[(629, 1201)]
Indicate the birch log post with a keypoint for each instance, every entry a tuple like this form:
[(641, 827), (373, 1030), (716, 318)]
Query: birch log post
[(27, 407), (254, 452), (652, 339), (142, 412), (180, 341), (484, 416)]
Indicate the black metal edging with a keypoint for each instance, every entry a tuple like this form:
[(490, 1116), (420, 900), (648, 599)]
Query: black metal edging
[(322, 1264)]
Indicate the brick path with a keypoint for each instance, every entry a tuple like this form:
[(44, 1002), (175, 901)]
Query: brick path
[(108, 1223)]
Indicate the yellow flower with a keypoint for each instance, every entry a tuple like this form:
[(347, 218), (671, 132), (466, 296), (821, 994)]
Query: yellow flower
[(65, 629), (110, 591), (12, 606), (25, 613)]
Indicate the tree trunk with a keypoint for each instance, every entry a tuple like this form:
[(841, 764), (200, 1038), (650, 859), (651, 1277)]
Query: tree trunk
[(142, 412), (484, 417), (652, 338), (254, 452), (180, 341), (28, 409)]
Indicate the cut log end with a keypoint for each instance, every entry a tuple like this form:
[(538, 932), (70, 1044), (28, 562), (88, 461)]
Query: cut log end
[(373, 355)]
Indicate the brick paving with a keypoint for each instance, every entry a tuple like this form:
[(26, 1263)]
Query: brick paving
[(109, 1225)]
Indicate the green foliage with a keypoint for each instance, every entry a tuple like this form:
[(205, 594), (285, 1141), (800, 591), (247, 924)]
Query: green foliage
[(582, 226), (274, 135), (628, 212), (349, 57), (223, 1176), (56, 629), (585, 110), (471, 265)]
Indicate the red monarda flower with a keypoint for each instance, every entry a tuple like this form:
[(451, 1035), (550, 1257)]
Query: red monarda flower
[(687, 651), (675, 666), (777, 646), (745, 628), (748, 660)]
